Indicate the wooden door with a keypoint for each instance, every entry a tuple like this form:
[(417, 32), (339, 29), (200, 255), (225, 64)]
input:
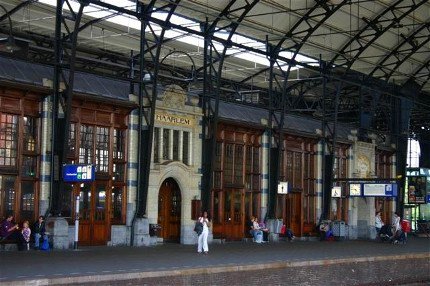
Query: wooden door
[(169, 211), (93, 219), (99, 223), (233, 214), (293, 212), (85, 206)]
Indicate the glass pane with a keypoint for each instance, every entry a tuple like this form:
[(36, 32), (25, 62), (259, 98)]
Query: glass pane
[(218, 155), (27, 200), (228, 163), (7, 194), (100, 198), (237, 206), (72, 139), (238, 165), (85, 202), (298, 170), (118, 172), (102, 149), (118, 144), (86, 152), (30, 133), (248, 162), (8, 139), (256, 159), (28, 168), (166, 145), (185, 149), (175, 145), (156, 144), (289, 171), (67, 201), (116, 203)]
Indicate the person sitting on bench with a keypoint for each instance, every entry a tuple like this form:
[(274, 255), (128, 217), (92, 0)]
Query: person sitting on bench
[(8, 230)]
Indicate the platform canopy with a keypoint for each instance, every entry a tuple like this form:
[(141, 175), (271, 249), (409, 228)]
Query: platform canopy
[(372, 52)]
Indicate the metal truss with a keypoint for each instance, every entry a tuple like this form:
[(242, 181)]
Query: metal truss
[(296, 38), (148, 95), (213, 61), (373, 29), (62, 100), (16, 9), (404, 50)]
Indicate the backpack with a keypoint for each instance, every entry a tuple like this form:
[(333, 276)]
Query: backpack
[(198, 228), (45, 244)]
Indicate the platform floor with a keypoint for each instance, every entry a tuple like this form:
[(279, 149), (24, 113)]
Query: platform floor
[(100, 264)]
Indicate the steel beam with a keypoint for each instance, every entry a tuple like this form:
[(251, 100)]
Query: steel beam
[(213, 66), (61, 100)]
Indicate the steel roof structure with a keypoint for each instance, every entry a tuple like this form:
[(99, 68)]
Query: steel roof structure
[(357, 61)]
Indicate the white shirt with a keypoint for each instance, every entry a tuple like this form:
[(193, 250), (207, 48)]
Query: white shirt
[(205, 223), (378, 222)]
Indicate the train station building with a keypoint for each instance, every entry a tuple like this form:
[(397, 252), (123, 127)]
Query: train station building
[(133, 117)]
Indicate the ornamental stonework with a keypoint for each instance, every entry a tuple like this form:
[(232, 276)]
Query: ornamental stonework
[(174, 97)]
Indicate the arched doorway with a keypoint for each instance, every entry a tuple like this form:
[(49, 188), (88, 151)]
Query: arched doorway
[(169, 210)]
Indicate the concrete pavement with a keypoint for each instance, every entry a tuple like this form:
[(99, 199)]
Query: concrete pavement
[(97, 264)]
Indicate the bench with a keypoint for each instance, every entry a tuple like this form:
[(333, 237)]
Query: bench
[(8, 245)]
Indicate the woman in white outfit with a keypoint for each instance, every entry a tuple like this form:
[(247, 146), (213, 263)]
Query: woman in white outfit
[(203, 237)]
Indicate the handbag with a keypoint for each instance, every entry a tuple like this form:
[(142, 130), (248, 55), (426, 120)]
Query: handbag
[(198, 228)]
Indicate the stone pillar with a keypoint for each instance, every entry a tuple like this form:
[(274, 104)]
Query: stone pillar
[(170, 144), (319, 176), (366, 218), (141, 232), (180, 147), (45, 165), (160, 147), (131, 169), (190, 148), (57, 229), (264, 173)]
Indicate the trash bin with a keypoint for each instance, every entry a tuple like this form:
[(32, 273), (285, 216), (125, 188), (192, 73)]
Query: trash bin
[(338, 228), (153, 229)]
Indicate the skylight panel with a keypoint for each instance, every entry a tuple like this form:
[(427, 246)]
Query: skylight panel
[(194, 40)]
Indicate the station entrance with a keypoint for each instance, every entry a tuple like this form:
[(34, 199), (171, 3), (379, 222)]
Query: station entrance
[(94, 223), (169, 211)]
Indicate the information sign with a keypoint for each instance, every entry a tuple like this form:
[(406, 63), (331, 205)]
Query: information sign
[(283, 188), (336, 192), (78, 173), (379, 190)]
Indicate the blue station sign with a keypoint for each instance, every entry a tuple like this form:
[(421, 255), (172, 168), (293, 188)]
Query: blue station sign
[(78, 173), (380, 190)]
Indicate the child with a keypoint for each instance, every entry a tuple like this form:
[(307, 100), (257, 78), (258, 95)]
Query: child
[(26, 233)]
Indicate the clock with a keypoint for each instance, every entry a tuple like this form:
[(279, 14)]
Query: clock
[(354, 190)]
